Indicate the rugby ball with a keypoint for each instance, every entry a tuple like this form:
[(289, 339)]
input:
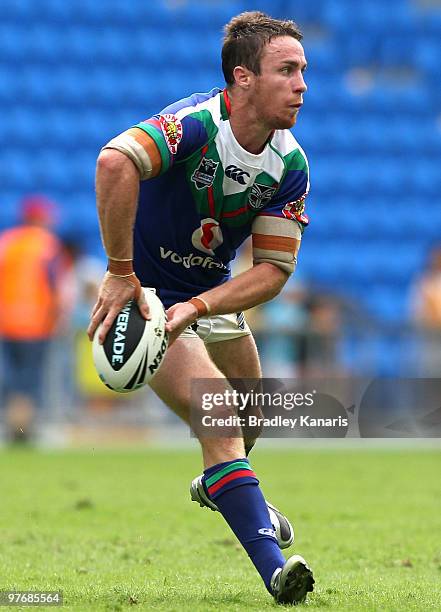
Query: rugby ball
[(134, 348)]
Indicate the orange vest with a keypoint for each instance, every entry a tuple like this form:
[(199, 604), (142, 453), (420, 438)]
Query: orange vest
[(28, 302)]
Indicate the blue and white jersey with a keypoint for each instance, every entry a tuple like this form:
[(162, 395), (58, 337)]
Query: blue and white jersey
[(206, 195)]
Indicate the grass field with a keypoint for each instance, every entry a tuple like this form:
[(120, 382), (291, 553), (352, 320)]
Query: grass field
[(116, 530)]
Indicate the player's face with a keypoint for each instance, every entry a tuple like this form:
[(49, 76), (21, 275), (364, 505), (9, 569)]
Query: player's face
[(278, 90)]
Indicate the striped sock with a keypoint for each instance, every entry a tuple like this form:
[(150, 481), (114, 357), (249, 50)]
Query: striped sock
[(234, 487)]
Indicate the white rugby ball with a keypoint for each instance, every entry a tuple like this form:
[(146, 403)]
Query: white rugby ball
[(134, 348)]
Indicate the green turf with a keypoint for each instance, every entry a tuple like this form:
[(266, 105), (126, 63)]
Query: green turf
[(116, 530)]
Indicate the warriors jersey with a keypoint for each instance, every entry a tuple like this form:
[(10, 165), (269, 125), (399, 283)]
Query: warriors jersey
[(207, 194)]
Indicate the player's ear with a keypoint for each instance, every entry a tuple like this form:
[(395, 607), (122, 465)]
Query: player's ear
[(242, 77)]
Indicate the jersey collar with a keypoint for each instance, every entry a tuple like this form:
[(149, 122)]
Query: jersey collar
[(225, 105)]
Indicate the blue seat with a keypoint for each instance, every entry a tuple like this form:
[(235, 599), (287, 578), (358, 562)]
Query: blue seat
[(44, 43), (78, 43), (14, 171), (49, 171), (11, 90), (208, 16), (426, 55), (68, 87), (56, 11), (386, 302), (9, 210), (28, 127), (151, 48), (14, 42)]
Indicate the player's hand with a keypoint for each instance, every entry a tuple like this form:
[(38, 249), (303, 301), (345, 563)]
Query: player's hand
[(180, 316), (113, 295)]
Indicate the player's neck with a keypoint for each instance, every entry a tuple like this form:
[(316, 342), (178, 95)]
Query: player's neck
[(247, 128)]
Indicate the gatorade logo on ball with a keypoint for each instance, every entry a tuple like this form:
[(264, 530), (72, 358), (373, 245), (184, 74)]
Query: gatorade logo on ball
[(207, 237)]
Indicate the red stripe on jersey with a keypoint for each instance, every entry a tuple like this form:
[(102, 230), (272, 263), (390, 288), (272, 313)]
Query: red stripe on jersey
[(210, 196), (227, 101), (154, 122), (234, 213)]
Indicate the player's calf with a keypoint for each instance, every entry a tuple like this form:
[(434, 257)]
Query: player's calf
[(283, 529)]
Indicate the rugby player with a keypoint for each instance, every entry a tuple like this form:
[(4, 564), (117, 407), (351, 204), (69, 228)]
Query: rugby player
[(177, 194)]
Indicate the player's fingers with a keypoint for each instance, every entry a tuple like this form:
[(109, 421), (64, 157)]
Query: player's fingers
[(107, 324), (97, 306), (95, 320), (172, 323), (91, 329), (170, 327), (144, 307)]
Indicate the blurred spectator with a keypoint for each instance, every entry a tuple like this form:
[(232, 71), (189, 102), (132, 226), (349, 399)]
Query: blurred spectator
[(321, 336), (31, 268), (80, 290), (284, 319), (426, 313), (298, 332), (304, 328), (426, 299)]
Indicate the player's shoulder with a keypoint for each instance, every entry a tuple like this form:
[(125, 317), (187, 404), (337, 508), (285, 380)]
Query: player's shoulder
[(288, 147), (204, 107)]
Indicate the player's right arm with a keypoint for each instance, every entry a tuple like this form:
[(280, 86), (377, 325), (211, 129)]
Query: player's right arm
[(117, 185), (140, 153), (123, 162)]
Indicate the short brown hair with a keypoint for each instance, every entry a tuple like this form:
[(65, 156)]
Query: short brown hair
[(245, 37)]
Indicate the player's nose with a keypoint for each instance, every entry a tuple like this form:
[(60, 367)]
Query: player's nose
[(300, 85)]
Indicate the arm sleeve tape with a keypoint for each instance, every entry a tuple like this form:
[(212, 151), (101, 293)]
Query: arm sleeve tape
[(276, 241), (135, 151)]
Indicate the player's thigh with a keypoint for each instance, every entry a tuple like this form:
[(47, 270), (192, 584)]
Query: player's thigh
[(237, 358), (187, 359)]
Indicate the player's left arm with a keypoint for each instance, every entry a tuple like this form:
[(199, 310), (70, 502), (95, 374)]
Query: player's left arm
[(255, 286), (276, 243)]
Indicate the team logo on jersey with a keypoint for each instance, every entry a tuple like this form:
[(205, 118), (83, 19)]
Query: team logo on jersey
[(236, 174), (171, 127), (208, 236), (295, 210), (260, 195), (204, 174)]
